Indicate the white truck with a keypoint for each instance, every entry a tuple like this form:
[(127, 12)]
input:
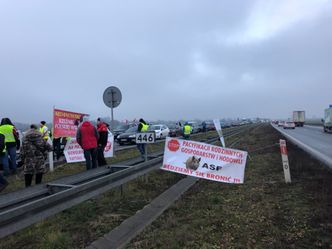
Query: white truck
[(328, 119), (299, 118)]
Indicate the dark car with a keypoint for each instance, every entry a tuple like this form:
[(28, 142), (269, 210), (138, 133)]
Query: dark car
[(174, 130), (127, 137), (121, 129), (210, 126), (195, 127)]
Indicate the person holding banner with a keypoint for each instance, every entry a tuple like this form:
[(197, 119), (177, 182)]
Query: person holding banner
[(87, 137)]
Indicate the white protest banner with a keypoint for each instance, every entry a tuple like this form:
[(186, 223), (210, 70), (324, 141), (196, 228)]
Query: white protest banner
[(218, 129), (74, 153), (204, 160)]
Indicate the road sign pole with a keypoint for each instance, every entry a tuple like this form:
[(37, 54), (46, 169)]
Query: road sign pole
[(112, 120), (112, 98), (146, 152), (112, 116)]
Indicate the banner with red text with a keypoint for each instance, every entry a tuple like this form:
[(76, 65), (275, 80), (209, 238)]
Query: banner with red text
[(74, 153), (204, 160), (64, 123)]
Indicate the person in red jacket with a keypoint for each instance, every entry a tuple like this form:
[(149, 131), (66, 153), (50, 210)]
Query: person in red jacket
[(87, 137), (102, 141)]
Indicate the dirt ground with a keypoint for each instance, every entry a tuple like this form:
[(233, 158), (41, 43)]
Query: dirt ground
[(264, 212)]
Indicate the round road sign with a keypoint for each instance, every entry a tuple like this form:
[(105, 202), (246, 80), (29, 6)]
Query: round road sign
[(112, 97)]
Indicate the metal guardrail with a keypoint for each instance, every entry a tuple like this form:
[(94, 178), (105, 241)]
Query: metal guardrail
[(23, 208), (311, 151), (120, 236)]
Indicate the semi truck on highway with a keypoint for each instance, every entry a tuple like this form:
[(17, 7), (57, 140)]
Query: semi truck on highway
[(299, 118), (328, 119)]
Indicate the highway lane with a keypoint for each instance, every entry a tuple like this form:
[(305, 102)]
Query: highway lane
[(312, 137)]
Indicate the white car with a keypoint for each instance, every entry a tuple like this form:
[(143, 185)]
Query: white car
[(161, 130), (281, 123), (289, 125)]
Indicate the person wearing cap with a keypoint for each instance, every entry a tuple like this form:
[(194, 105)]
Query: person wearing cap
[(87, 137), (102, 141), (142, 127), (33, 154)]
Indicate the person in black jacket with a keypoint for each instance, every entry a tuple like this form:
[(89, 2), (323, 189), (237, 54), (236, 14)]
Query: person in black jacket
[(3, 182), (142, 127), (102, 141)]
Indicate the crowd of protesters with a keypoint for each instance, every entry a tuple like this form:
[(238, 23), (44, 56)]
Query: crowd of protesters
[(36, 142)]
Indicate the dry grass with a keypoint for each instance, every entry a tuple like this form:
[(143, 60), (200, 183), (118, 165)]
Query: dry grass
[(264, 212), (77, 227)]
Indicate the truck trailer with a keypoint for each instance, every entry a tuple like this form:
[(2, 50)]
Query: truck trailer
[(328, 119), (299, 118)]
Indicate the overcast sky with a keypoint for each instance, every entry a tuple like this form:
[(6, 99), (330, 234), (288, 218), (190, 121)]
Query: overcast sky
[(174, 59)]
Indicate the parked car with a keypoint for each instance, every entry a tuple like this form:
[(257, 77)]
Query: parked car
[(174, 130), (225, 125), (161, 130), (121, 129), (127, 137), (195, 127), (289, 125), (210, 126)]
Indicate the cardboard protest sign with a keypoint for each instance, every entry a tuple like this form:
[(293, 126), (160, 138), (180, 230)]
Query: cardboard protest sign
[(74, 153), (204, 160)]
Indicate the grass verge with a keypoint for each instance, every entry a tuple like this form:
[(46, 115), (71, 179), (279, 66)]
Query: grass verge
[(77, 227), (264, 212)]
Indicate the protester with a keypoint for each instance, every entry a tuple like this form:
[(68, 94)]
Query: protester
[(12, 143), (87, 138), (186, 130), (44, 130), (142, 127), (33, 154), (3, 182), (102, 141), (204, 126), (57, 147)]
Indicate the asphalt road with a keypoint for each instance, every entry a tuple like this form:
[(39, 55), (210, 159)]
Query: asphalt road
[(313, 137)]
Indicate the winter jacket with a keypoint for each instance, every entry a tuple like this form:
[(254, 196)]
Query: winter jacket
[(33, 152), (103, 134), (15, 136), (87, 136), (2, 144), (140, 126)]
